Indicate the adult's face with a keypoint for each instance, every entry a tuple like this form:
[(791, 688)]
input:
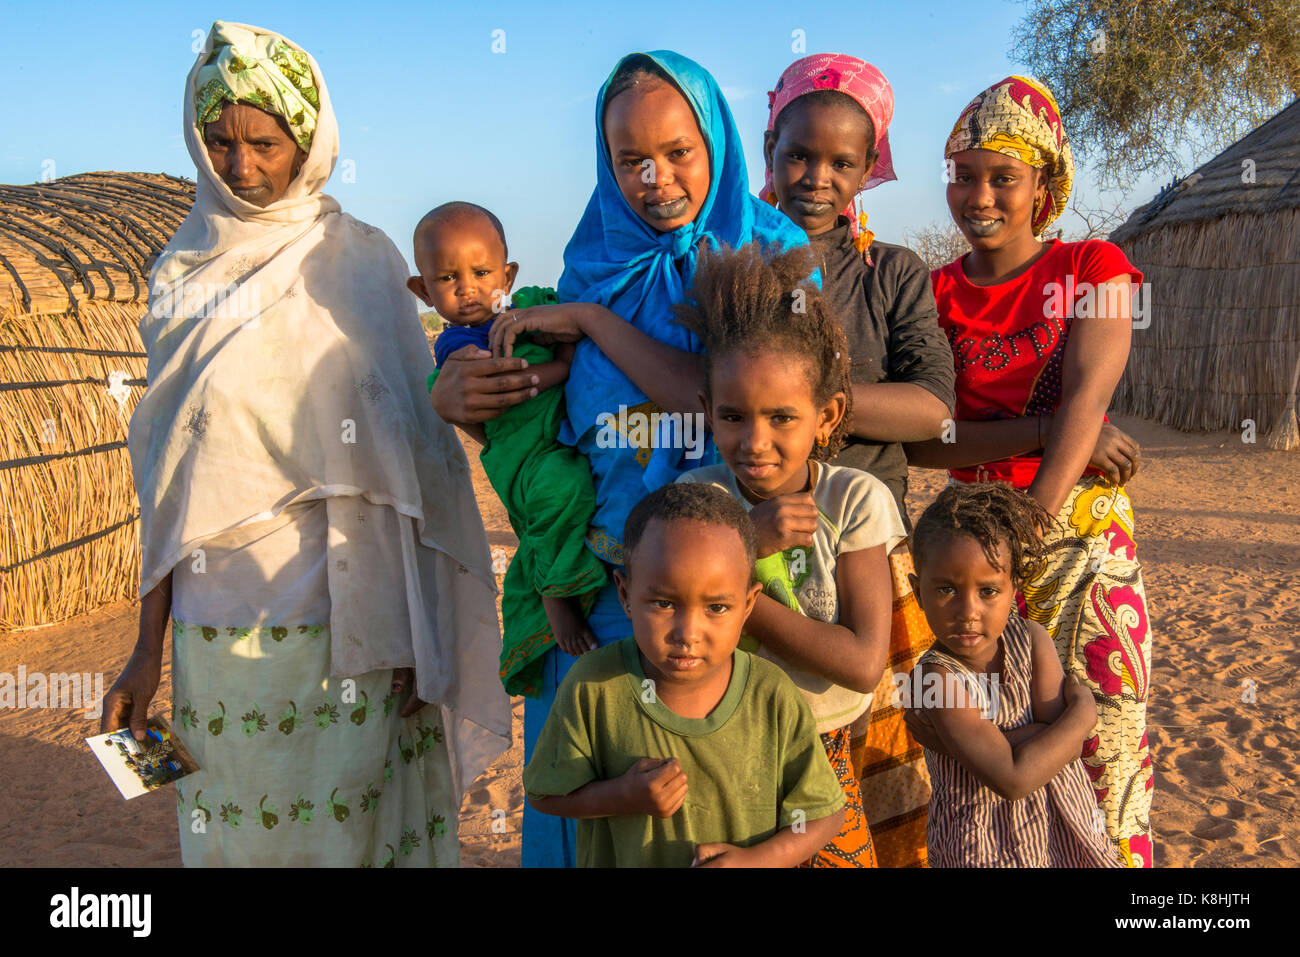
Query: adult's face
[(991, 197), (253, 153), (659, 155)]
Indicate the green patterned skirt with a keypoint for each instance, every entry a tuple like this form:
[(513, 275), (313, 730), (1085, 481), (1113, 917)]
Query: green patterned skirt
[(297, 767)]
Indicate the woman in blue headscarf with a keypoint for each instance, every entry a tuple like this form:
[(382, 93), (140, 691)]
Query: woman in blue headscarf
[(670, 177)]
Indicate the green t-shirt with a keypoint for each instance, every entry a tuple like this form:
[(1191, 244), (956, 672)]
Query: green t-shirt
[(751, 766)]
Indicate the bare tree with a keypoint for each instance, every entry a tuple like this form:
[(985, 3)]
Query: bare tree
[(1099, 221), (937, 244), (1139, 81)]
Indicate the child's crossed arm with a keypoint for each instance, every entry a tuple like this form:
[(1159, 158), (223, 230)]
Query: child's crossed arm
[(1018, 762), (658, 787)]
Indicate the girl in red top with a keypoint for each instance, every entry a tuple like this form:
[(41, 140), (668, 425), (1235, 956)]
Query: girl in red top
[(1040, 335)]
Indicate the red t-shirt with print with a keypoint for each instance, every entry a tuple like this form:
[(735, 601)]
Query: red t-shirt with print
[(1008, 340)]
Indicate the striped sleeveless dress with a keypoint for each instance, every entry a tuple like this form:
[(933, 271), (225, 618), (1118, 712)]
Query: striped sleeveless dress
[(970, 825)]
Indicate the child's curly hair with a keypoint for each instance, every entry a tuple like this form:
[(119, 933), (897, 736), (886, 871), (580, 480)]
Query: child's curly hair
[(991, 513), (744, 301)]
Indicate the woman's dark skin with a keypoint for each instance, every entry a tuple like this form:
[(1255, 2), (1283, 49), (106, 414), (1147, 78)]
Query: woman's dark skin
[(254, 154), (128, 700)]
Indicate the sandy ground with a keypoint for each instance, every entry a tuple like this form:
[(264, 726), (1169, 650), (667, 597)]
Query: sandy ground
[(1218, 527)]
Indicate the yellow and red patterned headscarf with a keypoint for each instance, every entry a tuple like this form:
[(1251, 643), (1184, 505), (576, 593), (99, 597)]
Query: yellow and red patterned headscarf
[(1018, 117)]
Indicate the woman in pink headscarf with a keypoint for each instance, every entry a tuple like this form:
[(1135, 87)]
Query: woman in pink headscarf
[(828, 140)]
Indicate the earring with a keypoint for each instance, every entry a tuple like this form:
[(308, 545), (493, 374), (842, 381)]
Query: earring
[(823, 441), (865, 237)]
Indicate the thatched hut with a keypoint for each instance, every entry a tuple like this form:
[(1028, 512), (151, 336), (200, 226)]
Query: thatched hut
[(74, 261), (1221, 251)]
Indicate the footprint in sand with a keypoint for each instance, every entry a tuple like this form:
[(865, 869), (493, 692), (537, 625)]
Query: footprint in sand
[(1275, 801), (1202, 766), (1239, 724), (1254, 669), (1214, 829), (1262, 741)]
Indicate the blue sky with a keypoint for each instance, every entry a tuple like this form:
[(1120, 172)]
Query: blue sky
[(429, 113)]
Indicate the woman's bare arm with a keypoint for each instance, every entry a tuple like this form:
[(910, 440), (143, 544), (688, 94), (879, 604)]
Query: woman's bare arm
[(127, 702), (1094, 360), (896, 412), (671, 378), (473, 387), (975, 443)]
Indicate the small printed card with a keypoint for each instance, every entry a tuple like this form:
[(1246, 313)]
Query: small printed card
[(138, 767)]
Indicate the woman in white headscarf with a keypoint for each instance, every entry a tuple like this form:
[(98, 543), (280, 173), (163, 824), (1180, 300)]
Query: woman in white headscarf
[(308, 523)]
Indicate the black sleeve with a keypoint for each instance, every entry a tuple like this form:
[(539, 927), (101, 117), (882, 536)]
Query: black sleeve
[(919, 352)]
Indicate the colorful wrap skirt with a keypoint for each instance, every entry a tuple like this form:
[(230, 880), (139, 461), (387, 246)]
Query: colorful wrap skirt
[(300, 768), (1091, 600)]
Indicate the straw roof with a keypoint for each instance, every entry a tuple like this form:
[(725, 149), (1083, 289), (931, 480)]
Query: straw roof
[(1259, 174), (1220, 250), (86, 237), (74, 261)]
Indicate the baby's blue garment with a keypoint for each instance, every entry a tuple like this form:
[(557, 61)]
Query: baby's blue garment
[(454, 337)]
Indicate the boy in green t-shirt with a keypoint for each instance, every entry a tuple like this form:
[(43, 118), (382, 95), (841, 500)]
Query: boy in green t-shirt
[(674, 748)]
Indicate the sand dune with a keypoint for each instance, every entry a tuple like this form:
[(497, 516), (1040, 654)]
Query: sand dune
[(1218, 528)]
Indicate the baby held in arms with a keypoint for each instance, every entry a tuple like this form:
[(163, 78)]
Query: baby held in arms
[(546, 487)]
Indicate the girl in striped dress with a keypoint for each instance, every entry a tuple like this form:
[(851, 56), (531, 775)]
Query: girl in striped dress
[(1001, 724)]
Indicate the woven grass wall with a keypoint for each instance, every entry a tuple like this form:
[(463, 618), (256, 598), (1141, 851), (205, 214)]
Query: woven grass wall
[(70, 540), (1223, 345), (74, 262)]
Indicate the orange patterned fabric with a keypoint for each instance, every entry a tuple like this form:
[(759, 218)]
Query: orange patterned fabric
[(888, 761), (853, 846)]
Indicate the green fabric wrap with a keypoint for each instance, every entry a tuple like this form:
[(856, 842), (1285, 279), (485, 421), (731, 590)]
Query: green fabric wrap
[(548, 493)]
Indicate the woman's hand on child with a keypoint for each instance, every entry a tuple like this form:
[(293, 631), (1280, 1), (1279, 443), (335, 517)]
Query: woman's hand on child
[(654, 786), (1117, 454), (787, 521), (548, 324), (474, 387)]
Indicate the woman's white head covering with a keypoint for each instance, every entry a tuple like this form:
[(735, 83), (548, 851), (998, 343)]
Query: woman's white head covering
[(287, 363)]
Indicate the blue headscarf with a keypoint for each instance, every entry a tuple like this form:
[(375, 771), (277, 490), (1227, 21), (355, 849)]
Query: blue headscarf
[(617, 259)]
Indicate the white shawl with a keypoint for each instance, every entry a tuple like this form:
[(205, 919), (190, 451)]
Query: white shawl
[(287, 363)]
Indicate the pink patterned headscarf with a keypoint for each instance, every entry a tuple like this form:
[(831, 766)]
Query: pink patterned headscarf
[(851, 76)]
